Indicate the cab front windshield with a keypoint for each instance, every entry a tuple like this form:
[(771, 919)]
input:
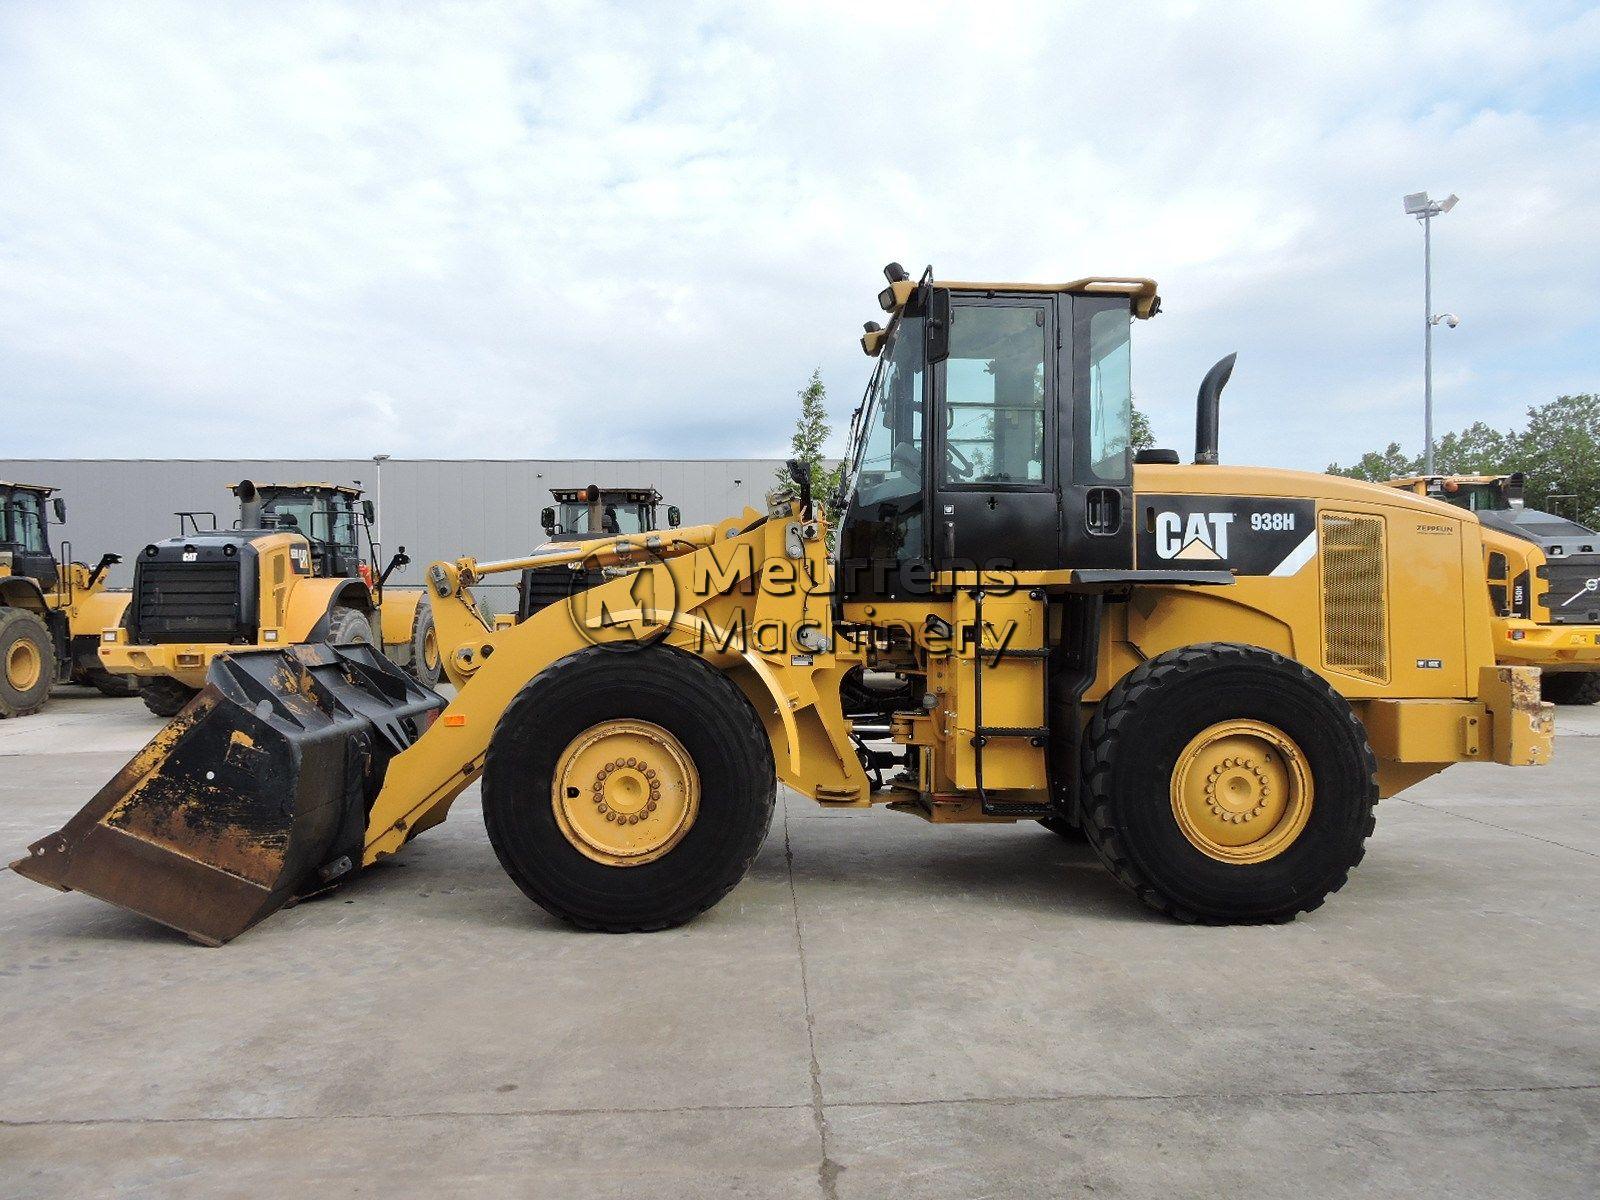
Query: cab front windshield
[(616, 517), (886, 459), (320, 518), (22, 520)]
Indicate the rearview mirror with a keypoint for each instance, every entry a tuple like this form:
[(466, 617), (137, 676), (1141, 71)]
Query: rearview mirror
[(60, 506), (936, 326), (368, 511), (547, 518), (674, 517)]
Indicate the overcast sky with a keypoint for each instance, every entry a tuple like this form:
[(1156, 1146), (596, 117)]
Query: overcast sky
[(587, 230)]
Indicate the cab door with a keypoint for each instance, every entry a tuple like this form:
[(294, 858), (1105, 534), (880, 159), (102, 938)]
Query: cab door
[(995, 467), (1096, 456)]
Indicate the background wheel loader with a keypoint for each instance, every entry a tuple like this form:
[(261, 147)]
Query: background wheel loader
[(581, 514), (52, 614), (298, 566), (1216, 672), (1544, 581)]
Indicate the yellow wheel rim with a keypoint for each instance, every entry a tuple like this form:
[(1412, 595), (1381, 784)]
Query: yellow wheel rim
[(1242, 791), (625, 792), (23, 665), (430, 650)]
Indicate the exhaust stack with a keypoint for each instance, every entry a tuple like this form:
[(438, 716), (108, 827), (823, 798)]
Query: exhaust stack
[(1207, 411), (249, 504)]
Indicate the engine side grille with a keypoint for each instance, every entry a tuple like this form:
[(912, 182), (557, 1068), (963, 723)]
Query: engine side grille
[(1570, 599), (187, 602), (544, 586), (1354, 595)]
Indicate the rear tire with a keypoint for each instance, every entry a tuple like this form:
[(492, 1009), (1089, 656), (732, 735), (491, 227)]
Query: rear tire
[(1571, 687), (350, 625), (706, 716), (165, 696), (426, 666), (27, 662), (1138, 755)]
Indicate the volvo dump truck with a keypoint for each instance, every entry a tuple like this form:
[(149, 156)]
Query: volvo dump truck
[(1544, 581), (581, 514), (297, 566), (1216, 671), (52, 613)]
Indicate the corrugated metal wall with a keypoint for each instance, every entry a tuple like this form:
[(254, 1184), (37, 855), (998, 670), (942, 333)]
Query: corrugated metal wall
[(437, 508)]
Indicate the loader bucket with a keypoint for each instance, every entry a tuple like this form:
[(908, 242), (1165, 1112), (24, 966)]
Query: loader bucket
[(254, 794)]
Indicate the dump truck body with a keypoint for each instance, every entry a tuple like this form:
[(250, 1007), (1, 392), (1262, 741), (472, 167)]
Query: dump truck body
[(1212, 673)]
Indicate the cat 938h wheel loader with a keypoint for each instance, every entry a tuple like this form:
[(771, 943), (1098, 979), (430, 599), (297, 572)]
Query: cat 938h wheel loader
[(293, 568), (52, 613), (1215, 672)]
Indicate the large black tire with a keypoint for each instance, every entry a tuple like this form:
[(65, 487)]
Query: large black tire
[(717, 728), (27, 662), (1570, 687), (1132, 749), (427, 668), (347, 625), (165, 696)]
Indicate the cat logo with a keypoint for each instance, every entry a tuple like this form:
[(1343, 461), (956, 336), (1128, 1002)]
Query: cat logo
[(1203, 537)]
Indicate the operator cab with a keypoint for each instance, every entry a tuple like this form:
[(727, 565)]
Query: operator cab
[(995, 433), (329, 516), (593, 511), (25, 531)]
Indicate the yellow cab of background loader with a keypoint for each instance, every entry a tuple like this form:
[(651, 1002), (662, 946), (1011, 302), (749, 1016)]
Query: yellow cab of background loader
[(292, 570), (1211, 674)]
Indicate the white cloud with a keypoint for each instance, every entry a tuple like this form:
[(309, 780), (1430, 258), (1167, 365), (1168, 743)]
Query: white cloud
[(502, 230)]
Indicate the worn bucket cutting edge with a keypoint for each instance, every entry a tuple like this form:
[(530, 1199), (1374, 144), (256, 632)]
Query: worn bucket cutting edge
[(255, 793)]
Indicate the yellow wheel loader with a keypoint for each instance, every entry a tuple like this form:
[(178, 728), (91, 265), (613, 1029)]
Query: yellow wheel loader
[(1544, 581), (52, 614), (297, 566), (1214, 672), (580, 514)]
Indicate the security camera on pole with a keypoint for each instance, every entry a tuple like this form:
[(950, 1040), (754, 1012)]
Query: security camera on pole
[(1418, 205)]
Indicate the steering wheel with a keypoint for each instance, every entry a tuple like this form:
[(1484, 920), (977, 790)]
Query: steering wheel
[(963, 468)]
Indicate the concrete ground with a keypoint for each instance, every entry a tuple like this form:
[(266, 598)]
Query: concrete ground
[(882, 1009)]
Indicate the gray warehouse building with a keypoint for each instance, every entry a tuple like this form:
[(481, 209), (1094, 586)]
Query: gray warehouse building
[(436, 508)]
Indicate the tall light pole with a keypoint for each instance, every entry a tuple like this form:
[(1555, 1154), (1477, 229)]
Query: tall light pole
[(376, 532), (1418, 205)]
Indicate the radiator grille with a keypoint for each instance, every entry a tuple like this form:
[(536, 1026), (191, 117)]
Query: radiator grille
[(1354, 594), (545, 586), (187, 602), (1569, 599)]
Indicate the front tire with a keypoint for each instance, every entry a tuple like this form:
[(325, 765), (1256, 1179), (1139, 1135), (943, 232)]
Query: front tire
[(350, 625), (27, 662), (669, 748), (165, 696), (1571, 687), (1228, 784)]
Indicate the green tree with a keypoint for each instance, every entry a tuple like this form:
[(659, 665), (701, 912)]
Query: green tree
[(1376, 466), (811, 431), (1140, 435)]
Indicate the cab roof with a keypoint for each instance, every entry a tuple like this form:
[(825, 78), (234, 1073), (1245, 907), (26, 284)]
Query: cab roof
[(44, 489), (1143, 296), (1413, 480), (644, 495), (343, 489)]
